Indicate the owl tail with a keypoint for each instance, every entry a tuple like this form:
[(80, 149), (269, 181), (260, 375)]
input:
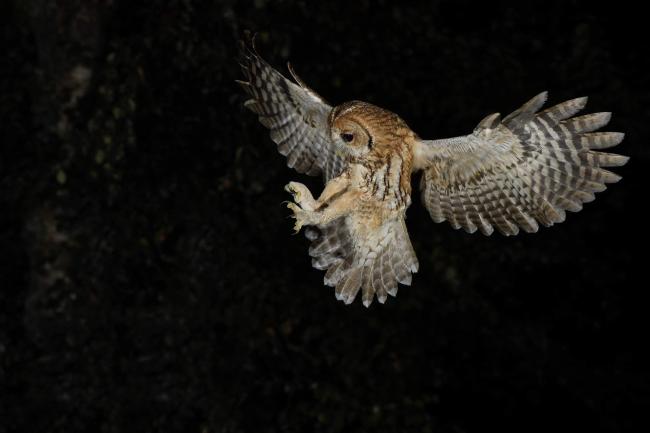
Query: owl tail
[(373, 261)]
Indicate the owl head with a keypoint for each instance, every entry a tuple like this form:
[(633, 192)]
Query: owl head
[(362, 130)]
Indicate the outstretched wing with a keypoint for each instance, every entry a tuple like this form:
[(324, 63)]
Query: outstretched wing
[(295, 114), (373, 260), (526, 169)]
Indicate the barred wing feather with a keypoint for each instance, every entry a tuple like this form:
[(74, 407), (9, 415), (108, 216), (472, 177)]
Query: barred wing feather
[(524, 170), (296, 116)]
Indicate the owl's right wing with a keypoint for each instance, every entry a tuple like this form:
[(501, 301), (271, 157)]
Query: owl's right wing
[(514, 173), (296, 116)]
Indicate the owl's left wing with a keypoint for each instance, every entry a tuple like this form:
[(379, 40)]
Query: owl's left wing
[(514, 173), (296, 116)]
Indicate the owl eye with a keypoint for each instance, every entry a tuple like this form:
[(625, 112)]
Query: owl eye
[(347, 137)]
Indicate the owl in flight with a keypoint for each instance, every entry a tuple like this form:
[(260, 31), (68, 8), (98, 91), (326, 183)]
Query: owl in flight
[(510, 173)]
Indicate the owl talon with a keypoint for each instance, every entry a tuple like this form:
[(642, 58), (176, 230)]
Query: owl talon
[(290, 189), (300, 215), (294, 207), (301, 195)]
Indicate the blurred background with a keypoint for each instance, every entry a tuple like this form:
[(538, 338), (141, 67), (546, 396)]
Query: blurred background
[(149, 279)]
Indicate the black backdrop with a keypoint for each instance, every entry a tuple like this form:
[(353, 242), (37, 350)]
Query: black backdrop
[(149, 278)]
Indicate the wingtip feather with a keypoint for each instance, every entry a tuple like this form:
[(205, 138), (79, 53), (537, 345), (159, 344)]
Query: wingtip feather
[(581, 101)]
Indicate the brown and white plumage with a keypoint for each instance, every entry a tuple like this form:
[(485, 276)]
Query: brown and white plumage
[(510, 174), (373, 262), (514, 173), (295, 115)]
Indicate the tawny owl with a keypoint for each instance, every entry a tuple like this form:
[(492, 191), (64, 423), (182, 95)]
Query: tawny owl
[(510, 174)]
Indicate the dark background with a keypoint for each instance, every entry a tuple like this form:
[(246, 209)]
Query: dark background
[(149, 278)]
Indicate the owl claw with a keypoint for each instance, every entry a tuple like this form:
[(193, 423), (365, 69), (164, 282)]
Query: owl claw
[(289, 188), (299, 214), (301, 195)]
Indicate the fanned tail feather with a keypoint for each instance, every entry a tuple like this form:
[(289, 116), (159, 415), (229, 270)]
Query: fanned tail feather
[(372, 263)]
